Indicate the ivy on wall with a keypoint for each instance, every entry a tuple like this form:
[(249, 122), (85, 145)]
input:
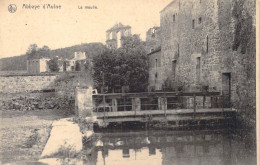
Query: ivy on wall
[(243, 26)]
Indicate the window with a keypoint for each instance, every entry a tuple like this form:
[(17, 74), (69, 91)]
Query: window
[(156, 68), (153, 33), (174, 62), (173, 18), (200, 20), (193, 24), (198, 69), (178, 52), (207, 44)]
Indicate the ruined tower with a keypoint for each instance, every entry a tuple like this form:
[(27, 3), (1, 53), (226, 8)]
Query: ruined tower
[(114, 35)]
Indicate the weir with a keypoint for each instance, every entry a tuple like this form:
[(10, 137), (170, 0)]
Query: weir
[(179, 109)]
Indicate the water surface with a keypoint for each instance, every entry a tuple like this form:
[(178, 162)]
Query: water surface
[(218, 147)]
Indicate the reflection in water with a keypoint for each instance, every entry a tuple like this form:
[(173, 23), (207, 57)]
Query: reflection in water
[(168, 148)]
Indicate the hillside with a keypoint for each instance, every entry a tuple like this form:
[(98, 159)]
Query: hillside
[(19, 62), (13, 63)]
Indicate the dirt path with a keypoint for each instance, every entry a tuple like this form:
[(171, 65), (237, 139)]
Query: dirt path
[(24, 134)]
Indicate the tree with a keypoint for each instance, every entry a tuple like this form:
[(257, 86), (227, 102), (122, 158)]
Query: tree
[(45, 48), (53, 65), (126, 66), (34, 52), (31, 51), (43, 52)]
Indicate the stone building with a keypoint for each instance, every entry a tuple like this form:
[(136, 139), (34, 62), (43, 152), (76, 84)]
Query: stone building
[(155, 70), (153, 49), (35, 66), (211, 44), (153, 39), (74, 64), (114, 35)]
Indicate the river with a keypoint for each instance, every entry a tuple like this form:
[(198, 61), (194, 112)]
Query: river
[(164, 147)]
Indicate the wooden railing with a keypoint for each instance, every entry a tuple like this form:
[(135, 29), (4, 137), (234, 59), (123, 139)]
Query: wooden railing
[(114, 102)]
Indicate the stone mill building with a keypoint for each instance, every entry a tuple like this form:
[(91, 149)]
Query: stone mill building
[(206, 44)]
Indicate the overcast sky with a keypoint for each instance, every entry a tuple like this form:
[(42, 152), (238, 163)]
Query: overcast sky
[(70, 25)]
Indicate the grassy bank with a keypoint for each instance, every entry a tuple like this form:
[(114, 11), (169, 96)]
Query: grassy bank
[(25, 133)]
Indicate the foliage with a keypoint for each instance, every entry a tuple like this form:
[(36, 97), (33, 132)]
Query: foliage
[(126, 66), (243, 26), (91, 49), (244, 41), (34, 52), (53, 65), (7, 64), (82, 78)]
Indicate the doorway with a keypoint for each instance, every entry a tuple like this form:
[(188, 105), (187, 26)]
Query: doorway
[(226, 89)]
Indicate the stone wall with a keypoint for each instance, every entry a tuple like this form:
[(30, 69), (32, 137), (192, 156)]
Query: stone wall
[(35, 101), (20, 84), (83, 102), (153, 39), (36, 66), (114, 34), (207, 39), (155, 70)]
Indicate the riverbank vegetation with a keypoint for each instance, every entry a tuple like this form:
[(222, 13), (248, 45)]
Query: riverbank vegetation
[(126, 66)]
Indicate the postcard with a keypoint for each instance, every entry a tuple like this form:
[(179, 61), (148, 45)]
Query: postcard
[(129, 82)]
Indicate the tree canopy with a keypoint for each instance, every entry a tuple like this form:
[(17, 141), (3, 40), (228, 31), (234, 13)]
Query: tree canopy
[(126, 66), (34, 52), (53, 65)]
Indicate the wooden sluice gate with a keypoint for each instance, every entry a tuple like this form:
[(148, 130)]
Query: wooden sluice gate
[(179, 109)]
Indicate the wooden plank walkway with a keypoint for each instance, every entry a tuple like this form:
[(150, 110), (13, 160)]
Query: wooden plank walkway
[(169, 115)]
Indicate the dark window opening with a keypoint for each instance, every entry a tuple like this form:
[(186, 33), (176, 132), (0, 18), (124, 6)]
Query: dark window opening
[(153, 33), (207, 44), (174, 62), (226, 89), (156, 64), (193, 24), (173, 18), (198, 69), (200, 20), (178, 53)]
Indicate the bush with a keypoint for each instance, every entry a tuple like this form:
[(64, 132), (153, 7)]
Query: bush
[(53, 65), (126, 66)]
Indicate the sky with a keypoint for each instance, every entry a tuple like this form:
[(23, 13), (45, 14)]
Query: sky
[(68, 26)]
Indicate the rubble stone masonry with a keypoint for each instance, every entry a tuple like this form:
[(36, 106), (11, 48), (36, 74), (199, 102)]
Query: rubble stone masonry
[(20, 84), (206, 42)]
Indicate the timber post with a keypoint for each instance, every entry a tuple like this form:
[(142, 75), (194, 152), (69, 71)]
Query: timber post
[(194, 104), (114, 105), (104, 108)]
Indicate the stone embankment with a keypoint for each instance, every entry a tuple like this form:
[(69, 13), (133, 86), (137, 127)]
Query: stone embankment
[(20, 84), (25, 103), (65, 143)]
